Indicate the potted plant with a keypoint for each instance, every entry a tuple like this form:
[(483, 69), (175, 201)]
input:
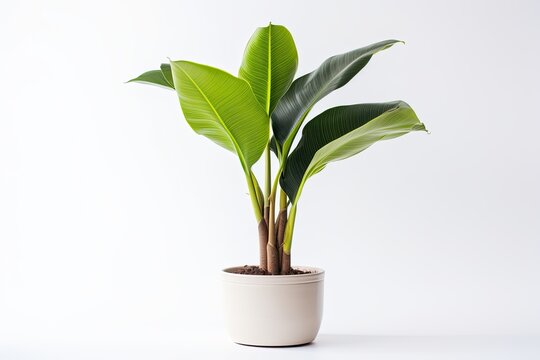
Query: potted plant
[(260, 112)]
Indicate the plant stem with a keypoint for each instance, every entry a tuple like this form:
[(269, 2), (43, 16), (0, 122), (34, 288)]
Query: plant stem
[(258, 191), (282, 200), (267, 175), (264, 230), (285, 260), (253, 195), (289, 229), (272, 248), (285, 264), (267, 182), (263, 239)]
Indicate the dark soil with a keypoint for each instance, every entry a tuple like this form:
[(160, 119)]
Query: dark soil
[(255, 270)]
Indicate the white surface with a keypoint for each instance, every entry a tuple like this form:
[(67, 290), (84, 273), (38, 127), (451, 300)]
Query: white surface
[(327, 346), (109, 203)]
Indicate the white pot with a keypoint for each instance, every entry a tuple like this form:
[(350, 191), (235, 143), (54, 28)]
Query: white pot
[(278, 310)]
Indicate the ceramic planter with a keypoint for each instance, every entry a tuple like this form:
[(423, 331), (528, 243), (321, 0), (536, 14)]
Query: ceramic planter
[(280, 310)]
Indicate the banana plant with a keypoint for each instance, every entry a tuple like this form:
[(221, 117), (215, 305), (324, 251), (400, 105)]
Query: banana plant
[(263, 109)]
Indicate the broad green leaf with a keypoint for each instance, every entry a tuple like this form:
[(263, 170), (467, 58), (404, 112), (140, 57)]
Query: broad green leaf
[(222, 108), (269, 64), (161, 77), (305, 91), (341, 132)]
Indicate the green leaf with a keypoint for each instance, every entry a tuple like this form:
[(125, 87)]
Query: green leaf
[(269, 64), (341, 132), (167, 74), (305, 91), (222, 108), (162, 78), (274, 147)]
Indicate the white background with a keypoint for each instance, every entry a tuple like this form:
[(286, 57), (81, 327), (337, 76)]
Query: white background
[(115, 218)]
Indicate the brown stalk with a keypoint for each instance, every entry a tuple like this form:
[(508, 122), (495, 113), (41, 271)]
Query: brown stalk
[(280, 226), (263, 239), (266, 213), (285, 259), (271, 247), (285, 263)]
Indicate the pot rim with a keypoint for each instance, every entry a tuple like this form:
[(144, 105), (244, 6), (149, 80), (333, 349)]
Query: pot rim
[(316, 274)]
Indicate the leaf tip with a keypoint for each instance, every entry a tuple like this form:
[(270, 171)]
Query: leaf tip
[(421, 127), (395, 41), (132, 80)]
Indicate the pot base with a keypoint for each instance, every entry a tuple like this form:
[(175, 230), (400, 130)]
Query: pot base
[(276, 346)]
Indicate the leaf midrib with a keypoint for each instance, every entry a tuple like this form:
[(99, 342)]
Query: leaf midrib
[(269, 71)]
